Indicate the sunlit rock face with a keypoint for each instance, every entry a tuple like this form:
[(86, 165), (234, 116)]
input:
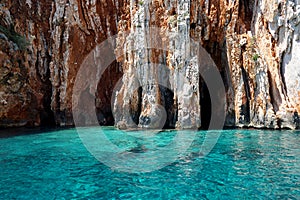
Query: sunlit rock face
[(255, 45), (161, 69), (276, 27)]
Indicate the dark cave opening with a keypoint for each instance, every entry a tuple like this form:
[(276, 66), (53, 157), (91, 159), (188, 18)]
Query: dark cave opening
[(105, 117), (136, 105), (167, 99), (246, 105), (104, 93), (205, 104), (47, 115)]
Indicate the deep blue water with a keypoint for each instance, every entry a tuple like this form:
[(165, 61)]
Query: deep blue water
[(244, 164)]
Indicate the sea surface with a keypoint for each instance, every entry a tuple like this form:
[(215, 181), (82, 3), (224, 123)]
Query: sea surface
[(105, 163)]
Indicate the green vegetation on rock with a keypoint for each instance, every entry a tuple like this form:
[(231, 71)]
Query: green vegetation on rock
[(13, 36)]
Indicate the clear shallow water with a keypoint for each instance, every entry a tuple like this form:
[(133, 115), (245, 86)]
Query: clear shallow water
[(244, 164)]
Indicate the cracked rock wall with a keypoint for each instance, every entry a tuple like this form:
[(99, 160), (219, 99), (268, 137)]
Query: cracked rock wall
[(37, 80), (254, 43)]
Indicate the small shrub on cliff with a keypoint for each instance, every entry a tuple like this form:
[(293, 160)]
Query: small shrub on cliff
[(15, 37), (255, 57)]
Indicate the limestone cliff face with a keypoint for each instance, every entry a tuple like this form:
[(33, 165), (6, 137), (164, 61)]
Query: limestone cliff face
[(37, 80), (254, 44)]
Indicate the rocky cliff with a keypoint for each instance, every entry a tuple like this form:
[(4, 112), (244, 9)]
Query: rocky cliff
[(156, 79)]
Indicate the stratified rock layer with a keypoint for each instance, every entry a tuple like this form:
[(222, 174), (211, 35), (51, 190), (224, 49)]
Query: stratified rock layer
[(255, 45)]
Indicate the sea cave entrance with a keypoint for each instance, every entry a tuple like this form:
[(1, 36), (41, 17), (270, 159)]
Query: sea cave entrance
[(104, 93), (205, 104), (166, 100)]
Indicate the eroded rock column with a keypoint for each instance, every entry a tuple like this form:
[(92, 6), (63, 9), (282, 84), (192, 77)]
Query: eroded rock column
[(162, 58)]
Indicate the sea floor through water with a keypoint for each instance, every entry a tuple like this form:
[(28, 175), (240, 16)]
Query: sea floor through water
[(244, 164)]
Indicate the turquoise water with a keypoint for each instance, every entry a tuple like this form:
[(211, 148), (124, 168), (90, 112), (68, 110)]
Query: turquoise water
[(244, 164)]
